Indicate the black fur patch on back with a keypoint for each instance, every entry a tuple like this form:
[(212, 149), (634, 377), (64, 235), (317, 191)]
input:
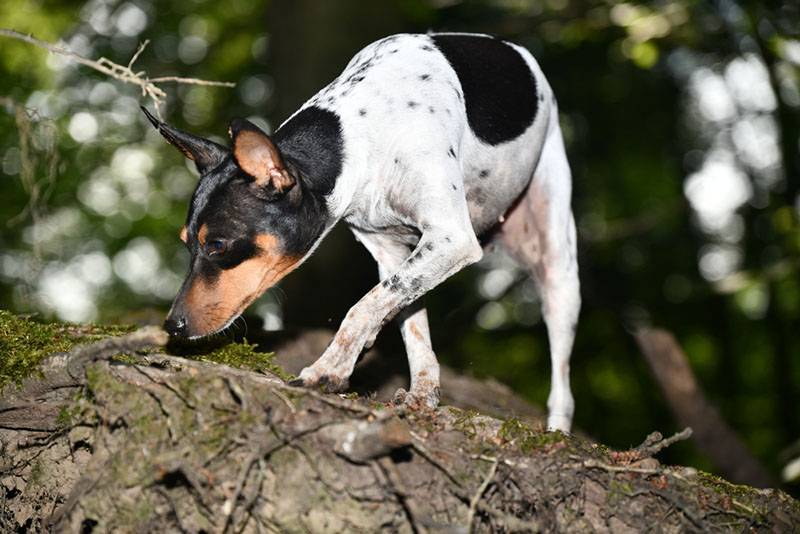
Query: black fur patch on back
[(499, 88), (312, 142)]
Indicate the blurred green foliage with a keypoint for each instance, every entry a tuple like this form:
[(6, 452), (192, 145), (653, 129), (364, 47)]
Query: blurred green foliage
[(681, 119)]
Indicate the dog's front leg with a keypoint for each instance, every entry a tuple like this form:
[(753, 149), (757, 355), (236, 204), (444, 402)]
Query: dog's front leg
[(441, 252)]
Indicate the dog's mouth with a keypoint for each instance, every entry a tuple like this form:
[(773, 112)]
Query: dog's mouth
[(233, 316), (213, 333)]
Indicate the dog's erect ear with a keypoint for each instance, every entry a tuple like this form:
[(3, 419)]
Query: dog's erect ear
[(257, 155), (205, 154)]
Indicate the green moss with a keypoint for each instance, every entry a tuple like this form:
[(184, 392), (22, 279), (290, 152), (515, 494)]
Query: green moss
[(618, 490), (68, 414), (745, 494), (24, 343), (527, 439), (512, 428), (746, 499), (241, 355), (465, 422)]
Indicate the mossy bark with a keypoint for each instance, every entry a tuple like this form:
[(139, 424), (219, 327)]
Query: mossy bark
[(156, 442)]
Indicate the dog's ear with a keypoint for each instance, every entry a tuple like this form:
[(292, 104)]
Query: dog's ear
[(205, 154), (257, 155)]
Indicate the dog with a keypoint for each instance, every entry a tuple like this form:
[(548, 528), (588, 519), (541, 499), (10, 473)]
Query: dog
[(424, 146)]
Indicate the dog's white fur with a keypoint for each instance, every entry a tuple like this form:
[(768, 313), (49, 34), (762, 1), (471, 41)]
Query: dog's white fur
[(412, 206)]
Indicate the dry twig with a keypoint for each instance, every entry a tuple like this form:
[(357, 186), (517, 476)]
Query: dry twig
[(32, 155), (123, 73), (473, 505), (655, 442)]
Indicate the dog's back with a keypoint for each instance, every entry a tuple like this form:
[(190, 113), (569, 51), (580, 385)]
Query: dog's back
[(406, 101)]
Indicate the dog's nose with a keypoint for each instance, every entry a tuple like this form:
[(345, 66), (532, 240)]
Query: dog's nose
[(175, 326)]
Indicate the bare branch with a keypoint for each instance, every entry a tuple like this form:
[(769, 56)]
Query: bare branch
[(655, 442), (38, 164), (473, 504), (122, 73), (138, 52), (687, 401)]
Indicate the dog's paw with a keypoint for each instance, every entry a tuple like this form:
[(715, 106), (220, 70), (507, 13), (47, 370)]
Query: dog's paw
[(325, 382), (399, 397), (559, 422), (419, 400)]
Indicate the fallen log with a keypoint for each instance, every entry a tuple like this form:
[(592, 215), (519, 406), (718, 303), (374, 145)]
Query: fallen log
[(156, 442)]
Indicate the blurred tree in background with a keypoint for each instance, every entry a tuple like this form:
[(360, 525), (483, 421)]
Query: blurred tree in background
[(682, 121)]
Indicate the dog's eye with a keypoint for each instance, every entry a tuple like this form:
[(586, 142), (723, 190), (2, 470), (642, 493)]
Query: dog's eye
[(216, 247)]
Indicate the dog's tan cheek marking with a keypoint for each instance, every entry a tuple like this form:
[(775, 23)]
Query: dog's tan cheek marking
[(184, 235), (234, 289)]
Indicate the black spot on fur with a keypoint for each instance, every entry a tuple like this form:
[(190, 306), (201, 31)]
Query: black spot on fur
[(431, 110), (499, 88), (429, 246), (412, 104), (393, 283), (484, 173), (455, 188), (362, 112), (414, 285), (358, 73), (397, 161), (424, 77), (393, 51), (427, 48), (451, 153)]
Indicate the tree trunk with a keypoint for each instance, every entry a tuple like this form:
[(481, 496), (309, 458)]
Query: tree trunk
[(161, 443)]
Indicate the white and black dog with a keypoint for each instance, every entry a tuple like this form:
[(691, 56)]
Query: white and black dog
[(423, 145)]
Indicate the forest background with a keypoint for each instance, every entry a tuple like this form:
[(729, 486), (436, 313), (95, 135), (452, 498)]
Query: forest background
[(682, 122)]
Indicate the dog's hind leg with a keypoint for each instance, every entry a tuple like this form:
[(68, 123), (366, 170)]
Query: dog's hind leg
[(422, 362), (539, 231)]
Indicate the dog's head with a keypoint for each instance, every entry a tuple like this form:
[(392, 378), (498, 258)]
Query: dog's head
[(246, 228)]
